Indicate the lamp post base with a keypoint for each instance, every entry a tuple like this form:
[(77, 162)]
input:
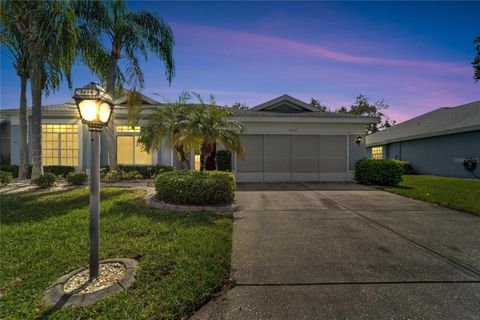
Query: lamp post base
[(64, 294)]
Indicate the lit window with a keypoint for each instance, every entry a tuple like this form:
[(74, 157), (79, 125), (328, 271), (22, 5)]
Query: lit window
[(197, 162), (127, 129), (377, 152), (129, 151), (60, 144)]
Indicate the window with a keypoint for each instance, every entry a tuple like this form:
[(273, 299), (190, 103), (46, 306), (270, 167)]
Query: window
[(197, 162), (129, 151), (377, 152), (60, 144)]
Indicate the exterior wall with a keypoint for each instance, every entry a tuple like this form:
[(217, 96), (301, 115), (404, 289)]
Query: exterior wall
[(440, 156), (355, 151)]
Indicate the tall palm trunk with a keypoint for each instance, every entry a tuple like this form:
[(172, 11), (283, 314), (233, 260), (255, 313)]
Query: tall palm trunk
[(23, 170), (183, 158), (36, 83), (110, 130), (205, 153)]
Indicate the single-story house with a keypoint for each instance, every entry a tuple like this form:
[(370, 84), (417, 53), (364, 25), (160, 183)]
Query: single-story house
[(437, 143), (285, 139)]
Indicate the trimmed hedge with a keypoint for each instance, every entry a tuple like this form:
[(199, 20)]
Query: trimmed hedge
[(13, 169), (223, 160), (5, 178), (61, 171), (56, 170), (379, 172), (77, 178), (147, 172), (193, 187), (119, 174), (405, 165), (45, 181)]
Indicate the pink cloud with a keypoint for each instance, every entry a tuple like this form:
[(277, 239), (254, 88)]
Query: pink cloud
[(249, 41)]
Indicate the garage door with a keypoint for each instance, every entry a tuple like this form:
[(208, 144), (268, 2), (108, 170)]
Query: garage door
[(285, 158)]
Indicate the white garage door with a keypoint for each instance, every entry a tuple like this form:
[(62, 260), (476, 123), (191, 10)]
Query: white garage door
[(285, 158)]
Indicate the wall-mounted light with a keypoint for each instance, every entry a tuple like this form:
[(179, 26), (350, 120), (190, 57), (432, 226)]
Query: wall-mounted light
[(359, 140)]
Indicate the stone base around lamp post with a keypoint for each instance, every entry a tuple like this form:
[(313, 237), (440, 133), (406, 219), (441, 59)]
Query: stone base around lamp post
[(71, 291)]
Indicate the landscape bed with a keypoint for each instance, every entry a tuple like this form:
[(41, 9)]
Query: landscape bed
[(455, 193), (183, 257)]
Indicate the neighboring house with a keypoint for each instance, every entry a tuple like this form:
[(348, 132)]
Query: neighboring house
[(437, 143), (285, 139)]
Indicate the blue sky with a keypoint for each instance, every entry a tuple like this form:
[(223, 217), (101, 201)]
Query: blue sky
[(414, 55)]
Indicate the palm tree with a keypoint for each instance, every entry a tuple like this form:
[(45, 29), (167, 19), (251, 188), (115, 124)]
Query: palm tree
[(52, 47), (14, 29), (170, 123), (209, 125), (130, 35), (49, 40)]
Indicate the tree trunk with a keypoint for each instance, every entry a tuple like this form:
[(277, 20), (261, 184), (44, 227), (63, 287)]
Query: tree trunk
[(183, 158), (110, 130), (210, 162), (205, 152), (23, 170), (36, 83)]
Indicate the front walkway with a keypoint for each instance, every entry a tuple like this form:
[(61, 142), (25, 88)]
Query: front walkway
[(344, 251)]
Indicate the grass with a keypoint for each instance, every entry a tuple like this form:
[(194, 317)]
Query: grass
[(184, 257), (454, 193)]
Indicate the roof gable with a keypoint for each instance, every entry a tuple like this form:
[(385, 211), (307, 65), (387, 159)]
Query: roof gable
[(285, 104)]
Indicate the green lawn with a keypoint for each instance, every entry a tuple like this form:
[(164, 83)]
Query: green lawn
[(454, 193), (184, 257)]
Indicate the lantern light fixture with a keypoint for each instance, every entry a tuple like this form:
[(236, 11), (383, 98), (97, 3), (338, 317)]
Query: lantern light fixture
[(359, 140), (95, 105)]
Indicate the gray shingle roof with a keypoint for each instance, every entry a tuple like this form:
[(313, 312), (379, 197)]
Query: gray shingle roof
[(441, 121)]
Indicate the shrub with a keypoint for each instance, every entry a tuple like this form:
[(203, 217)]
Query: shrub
[(193, 187), (13, 169), (147, 172), (223, 159), (118, 174), (45, 181), (5, 178), (60, 171), (77, 178), (405, 165), (378, 172)]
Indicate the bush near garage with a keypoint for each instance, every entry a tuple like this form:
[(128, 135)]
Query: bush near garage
[(5, 178), (193, 187), (378, 172), (406, 166), (147, 172), (77, 178), (45, 181), (223, 159)]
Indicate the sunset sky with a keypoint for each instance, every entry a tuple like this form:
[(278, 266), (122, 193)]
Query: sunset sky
[(415, 56)]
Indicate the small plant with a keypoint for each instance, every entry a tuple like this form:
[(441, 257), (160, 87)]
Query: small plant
[(5, 178), (378, 172), (77, 178), (118, 174), (193, 187), (45, 181)]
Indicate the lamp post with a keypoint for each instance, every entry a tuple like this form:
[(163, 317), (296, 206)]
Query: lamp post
[(95, 106)]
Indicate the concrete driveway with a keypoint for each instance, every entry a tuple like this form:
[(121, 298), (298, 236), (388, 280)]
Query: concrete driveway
[(344, 251)]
